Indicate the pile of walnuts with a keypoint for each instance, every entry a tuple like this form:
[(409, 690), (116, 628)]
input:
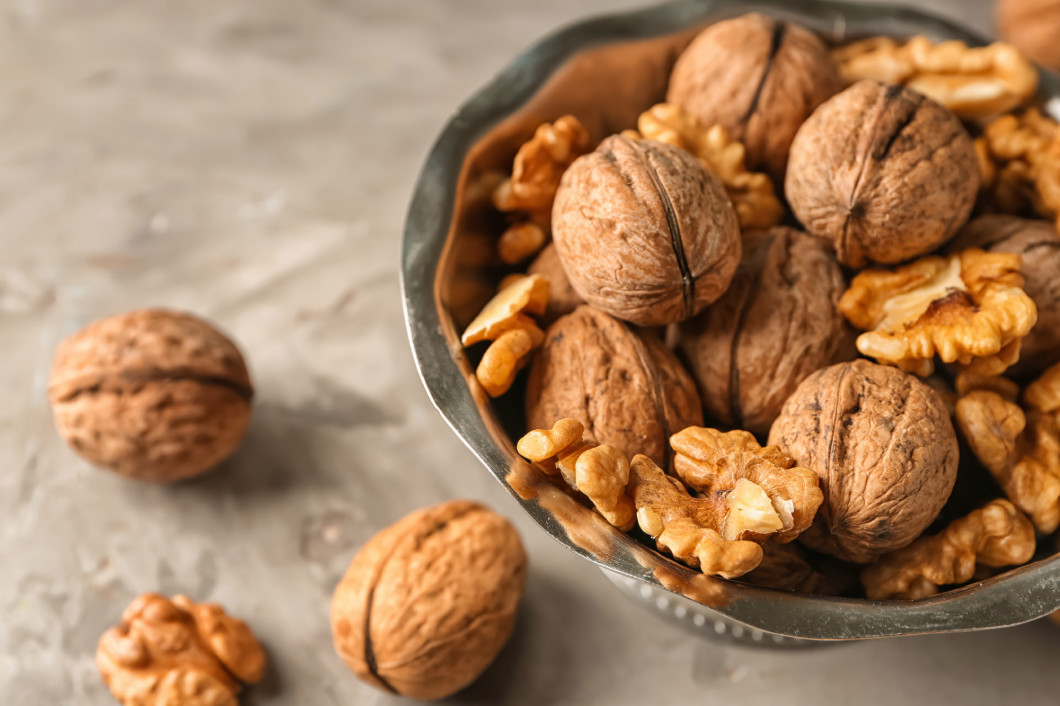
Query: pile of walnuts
[(802, 299)]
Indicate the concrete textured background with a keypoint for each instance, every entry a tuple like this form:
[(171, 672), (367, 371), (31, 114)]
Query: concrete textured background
[(251, 161)]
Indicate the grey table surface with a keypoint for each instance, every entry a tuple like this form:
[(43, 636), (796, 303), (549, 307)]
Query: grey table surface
[(251, 161)]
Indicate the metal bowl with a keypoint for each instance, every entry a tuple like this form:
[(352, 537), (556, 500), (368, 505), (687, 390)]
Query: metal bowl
[(605, 71)]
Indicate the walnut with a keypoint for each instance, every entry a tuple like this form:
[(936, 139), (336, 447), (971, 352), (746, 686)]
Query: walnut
[(883, 446), (1031, 25), (1038, 245), (994, 536), (153, 395), (562, 298), (428, 602), (626, 388), (882, 173), (973, 82), (1021, 164), (775, 325), (520, 242), (1020, 448), (785, 567), (757, 77), (968, 308), (689, 528), (1043, 395), (645, 232), (751, 193), (598, 471), (178, 653), (712, 462)]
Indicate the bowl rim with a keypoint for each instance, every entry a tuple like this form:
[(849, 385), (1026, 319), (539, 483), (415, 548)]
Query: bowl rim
[(1019, 595)]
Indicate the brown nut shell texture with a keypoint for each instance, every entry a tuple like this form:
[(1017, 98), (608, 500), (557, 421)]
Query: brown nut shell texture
[(1030, 25), (428, 602), (1038, 245), (626, 388), (993, 536), (882, 173), (757, 77), (968, 308), (775, 325), (178, 653), (645, 232), (154, 395), (562, 298), (884, 448), (786, 567), (973, 82)]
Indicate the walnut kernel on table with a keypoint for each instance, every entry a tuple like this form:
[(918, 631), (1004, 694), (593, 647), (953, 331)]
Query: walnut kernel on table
[(1032, 26), (178, 653), (644, 231), (884, 449), (757, 77), (967, 308), (624, 386), (153, 395), (882, 173), (428, 603), (775, 325)]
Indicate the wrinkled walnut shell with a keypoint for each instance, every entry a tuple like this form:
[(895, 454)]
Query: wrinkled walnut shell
[(626, 388), (428, 602), (882, 173), (1038, 243), (757, 77), (153, 395), (778, 323), (884, 448), (644, 231), (562, 299)]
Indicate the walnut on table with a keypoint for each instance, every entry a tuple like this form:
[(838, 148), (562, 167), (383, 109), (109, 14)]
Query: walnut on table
[(997, 535), (968, 308), (178, 653)]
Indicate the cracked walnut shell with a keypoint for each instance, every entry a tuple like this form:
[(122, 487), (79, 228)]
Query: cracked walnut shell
[(775, 325), (178, 653), (968, 308), (884, 449), (757, 77), (645, 232), (428, 602), (882, 173), (153, 395), (993, 536), (625, 387)]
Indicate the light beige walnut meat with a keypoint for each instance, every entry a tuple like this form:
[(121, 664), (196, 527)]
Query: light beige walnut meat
[(178, 653), (598, 471), (751, 193), (1043, 395), (1020, 158), (973, 82), (521, 241), (691, 529), (995, 536), (153, 395), (428, 602), (712, 462), (968, 308)]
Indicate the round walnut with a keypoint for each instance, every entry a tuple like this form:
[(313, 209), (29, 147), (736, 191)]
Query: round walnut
[(626, 388), (1039, 245), (1032, 27), (777, 324), (882, 173), (759, 78), (644, 231), (883, 446), (428, 602), (562, 298), (153, 395)]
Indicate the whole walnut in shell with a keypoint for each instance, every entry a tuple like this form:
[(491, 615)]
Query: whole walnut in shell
[(882, 173), (1032, 27), (626, 388), (154, 395), (757, 77), (777, 324), (884, 448), (428, 602), (1038, 244), (644, 231)]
